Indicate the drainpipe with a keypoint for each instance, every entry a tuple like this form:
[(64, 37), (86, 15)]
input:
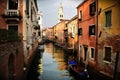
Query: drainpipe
[(96, 19)]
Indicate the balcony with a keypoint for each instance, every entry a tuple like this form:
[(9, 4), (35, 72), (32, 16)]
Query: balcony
[(12, 16), (36, 25)]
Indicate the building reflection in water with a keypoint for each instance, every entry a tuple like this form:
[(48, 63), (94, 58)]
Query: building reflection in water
[(40, 70), (51, 64), (58, 55)]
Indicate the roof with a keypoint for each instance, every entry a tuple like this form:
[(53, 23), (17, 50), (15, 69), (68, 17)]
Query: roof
[(61, 21)]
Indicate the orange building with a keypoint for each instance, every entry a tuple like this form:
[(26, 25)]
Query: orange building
[(87, 33), (49, 34), (59, 32)]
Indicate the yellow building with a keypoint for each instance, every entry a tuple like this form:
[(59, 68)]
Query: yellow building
[(72, 32), (109, 37)]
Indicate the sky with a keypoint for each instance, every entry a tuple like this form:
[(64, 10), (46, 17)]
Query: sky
[(49, 8)]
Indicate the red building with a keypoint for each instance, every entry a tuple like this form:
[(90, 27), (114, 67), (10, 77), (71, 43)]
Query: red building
[(87, 32), (17, 16)]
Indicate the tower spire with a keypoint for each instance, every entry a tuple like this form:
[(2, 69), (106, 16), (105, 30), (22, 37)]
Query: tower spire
[(60, 12)]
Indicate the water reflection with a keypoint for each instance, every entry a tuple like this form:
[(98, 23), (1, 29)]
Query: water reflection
[(35, 67), (50, 64)]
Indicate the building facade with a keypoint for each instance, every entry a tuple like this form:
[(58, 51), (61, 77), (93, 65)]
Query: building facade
[(40, 17), (30, 28), (72, 28), (20, 17), (109, 38), (11, 53), (59, 32), (49, 33), (87, 32)]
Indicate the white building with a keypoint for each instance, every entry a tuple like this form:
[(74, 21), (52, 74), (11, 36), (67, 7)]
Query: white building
[(60, 13), (30, 11)]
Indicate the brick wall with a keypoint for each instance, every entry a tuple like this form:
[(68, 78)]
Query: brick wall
[(14, 52)]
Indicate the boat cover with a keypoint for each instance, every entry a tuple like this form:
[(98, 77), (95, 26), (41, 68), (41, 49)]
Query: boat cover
[(72, 62)]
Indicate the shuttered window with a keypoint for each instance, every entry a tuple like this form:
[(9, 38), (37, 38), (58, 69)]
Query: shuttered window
[(108, 18), (92, 52), (92, 30), (80, 15), (80, 32), (107, 54), (92, 9)]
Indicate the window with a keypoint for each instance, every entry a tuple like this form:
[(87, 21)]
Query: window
[(92, 30), (61, 15), (39, 33), (80, 15), (92, 52), (85, 52), (38, 18), (80, 32), (13, 27), (107, 54), (108, 18), (13, 4), (92, 9)]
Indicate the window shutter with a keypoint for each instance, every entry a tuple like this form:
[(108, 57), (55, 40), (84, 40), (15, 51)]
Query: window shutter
[(92, 8), (80, 32), (107, 54), (92, 30)]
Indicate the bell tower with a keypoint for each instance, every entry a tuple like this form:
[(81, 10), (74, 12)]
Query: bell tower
[(60, 12)]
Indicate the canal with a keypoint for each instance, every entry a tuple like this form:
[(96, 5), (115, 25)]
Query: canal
[(50, 64)]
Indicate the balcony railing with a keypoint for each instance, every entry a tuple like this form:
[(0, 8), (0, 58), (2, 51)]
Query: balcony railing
[(12, 13)]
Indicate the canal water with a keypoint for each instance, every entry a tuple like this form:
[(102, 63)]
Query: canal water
[(50, 64)]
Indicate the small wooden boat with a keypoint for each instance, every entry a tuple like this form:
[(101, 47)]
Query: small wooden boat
[(78, 71)]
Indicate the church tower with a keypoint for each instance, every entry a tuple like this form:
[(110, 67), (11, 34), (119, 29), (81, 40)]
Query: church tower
[(60, 12)]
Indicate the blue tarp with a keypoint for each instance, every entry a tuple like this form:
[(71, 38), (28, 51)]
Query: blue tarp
[(72, 62)]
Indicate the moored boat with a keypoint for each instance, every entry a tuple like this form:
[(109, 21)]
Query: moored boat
[(78, 71)]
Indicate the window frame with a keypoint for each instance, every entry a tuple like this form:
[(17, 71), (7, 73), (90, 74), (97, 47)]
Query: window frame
[(108, 23), (15, 7), (92, 8), (91, 27), (80, 33), (80, 15), (104, 60), (91, 53)]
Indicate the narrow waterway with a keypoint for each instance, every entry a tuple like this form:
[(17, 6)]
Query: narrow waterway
[(50, 64)]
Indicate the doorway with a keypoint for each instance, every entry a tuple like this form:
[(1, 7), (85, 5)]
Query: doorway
[(11, 67)]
